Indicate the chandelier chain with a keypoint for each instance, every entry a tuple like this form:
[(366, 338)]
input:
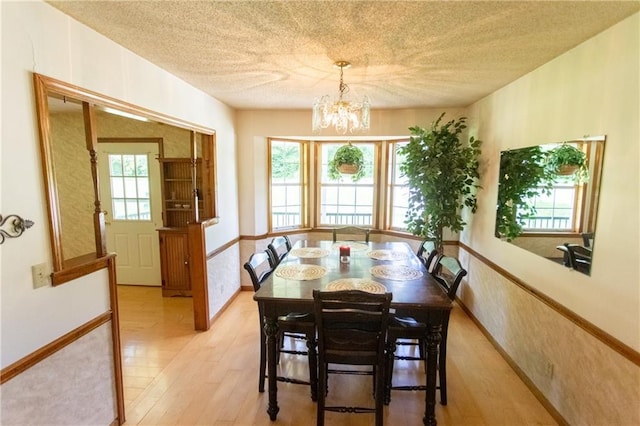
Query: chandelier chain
[(343, 87)]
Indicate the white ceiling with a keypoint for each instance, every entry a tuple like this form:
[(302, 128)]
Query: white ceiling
[(280, 54)]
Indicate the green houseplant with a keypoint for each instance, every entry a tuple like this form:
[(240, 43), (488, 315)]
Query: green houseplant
[(442, 173), (567, 159), (348, 160), (523, 175)]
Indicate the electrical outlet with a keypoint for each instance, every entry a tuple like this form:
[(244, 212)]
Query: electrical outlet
[(40, 275)]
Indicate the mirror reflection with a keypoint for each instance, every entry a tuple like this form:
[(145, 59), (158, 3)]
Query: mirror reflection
[(103, 166), (548, 199), (73, 177)]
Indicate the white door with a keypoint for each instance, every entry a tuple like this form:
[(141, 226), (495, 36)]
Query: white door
[(131, 199)]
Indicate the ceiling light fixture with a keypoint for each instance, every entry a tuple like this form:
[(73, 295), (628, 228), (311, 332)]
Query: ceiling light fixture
[(343, 114)]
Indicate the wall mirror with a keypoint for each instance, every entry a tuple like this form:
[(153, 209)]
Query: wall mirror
[(548, 199), (72, 123)]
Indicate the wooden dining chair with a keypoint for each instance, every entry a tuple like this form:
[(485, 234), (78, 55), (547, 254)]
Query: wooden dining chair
[(428, 254), (351, 328), (577, 257), (260, 266), (279, 247), (448, 272), (351, 233)]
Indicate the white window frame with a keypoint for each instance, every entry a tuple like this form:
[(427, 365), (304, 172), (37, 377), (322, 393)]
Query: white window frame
[(322, 181), (129, 195), (302, 186)]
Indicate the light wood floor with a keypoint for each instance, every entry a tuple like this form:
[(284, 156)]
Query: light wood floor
[(176, 376)]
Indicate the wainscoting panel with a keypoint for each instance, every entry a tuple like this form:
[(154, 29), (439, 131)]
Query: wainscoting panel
[(582, 378), (222, 278), (74, 386)]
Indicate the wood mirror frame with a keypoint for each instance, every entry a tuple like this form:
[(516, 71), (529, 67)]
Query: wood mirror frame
[(552, 243), (45, 87)]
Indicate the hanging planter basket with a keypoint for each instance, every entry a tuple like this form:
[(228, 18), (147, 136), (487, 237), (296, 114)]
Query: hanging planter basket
[(348, 160), (567, 170), (348, 169), (568, 160)]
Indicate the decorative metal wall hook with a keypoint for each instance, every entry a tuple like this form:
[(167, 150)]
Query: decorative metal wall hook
[(16, 226)]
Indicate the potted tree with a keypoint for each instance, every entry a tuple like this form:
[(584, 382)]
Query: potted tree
[(347, 160), (442, 173), (523, 175), (567, 160)]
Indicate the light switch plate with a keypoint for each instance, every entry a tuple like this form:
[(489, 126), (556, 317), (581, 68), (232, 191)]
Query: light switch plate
[(40, 275)]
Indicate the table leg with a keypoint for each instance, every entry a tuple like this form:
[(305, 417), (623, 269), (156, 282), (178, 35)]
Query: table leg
[(271, 330), (433, 340), (313, 366)]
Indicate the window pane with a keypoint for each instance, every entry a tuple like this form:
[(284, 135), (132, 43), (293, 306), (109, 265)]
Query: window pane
[(401, 196), (278, 197), (364, 195), (142, 168), (143, 187), (399, 188), (115, 165), (144, 207), (130, 187), (132, 209), (347, 194), (555, 210), (128, 165), (286, 184), (397, 217), (293, 195), (285, 162), (344, 202), (130, 195), (117, 187), (119, 211)]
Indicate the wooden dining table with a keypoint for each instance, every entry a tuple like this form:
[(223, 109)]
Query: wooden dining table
[(376, 267)]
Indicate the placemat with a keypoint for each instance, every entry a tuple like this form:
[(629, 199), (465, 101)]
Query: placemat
[(395, 272), (355, 246), (301, 272), (384, 254), (361, 284), (309, 252)]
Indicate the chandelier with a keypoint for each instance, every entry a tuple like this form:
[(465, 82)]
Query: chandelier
[(343, 114)]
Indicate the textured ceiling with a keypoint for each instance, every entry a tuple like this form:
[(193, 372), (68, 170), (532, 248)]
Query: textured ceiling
[(280, 54)]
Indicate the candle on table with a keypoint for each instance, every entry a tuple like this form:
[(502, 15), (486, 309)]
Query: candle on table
[(345, 252)]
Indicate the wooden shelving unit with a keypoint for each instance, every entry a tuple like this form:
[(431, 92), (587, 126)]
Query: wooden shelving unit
[(178, 200), (187, 197)]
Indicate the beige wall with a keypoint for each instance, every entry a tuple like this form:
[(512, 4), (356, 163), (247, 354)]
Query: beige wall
[(590, 90), (74, 183), (38, 38), (255, 126)]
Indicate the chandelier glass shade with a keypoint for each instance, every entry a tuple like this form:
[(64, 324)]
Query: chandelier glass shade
[(343, 114)]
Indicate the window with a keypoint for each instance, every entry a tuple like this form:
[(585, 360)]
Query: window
[(378, 199), (343, 201), (287, 172), (555, 211), (129, 176), (398, 190)]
